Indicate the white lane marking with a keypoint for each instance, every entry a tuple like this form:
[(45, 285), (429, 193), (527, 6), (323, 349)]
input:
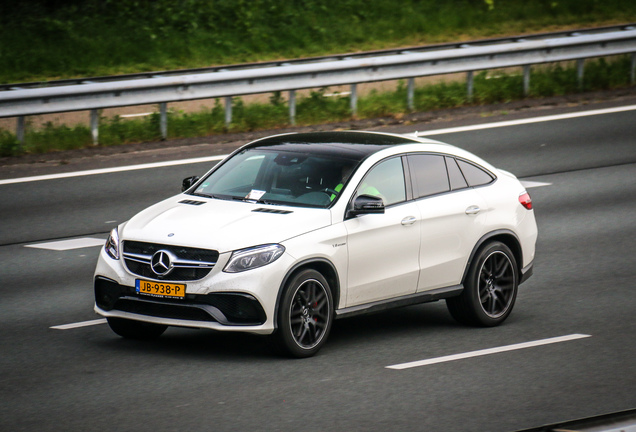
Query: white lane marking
[(113, 170), (487, 351), (527, 121), (530, 184), (217, 158), (79, 324), (63, 245)]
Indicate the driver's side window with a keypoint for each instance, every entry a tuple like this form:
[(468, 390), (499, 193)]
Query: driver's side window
[(385, 180)]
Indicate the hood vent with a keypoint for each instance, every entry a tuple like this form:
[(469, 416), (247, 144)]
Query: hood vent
[(192, 202), (265, 210)]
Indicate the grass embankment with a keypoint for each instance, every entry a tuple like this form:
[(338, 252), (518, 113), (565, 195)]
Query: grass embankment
[(42, 40)]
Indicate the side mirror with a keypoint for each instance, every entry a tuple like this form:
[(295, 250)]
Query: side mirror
[(366, 204), (188, 182)]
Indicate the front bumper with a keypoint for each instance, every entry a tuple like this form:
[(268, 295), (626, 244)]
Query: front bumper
[(228, 309), (222, 301), (526, 272)]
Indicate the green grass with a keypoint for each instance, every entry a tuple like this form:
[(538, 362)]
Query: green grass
[(41, 40), (489, 87)]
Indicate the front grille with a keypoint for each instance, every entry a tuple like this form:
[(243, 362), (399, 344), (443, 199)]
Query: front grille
[(189, 263)]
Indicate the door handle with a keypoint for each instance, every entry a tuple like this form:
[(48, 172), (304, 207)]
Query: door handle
[(410, 220), (473, 210)]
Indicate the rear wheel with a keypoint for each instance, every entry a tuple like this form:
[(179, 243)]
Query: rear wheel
[(490, 288), (305, 314), (135, 329)]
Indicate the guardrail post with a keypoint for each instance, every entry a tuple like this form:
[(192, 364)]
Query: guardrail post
[(469, 85), (95, 126), (580, 70), (526, 80), (410, 94), (292, 107), (228, 110), (632, 74), (19, 132), (354, 99), (163, 120)]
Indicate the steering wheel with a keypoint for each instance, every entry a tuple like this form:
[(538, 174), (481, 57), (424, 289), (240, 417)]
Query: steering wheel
[(329, 191)]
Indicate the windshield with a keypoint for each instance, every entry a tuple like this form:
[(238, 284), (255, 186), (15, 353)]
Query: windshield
[(272, 176)]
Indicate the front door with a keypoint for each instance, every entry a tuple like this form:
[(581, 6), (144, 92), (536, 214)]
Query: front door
[(384, 248)]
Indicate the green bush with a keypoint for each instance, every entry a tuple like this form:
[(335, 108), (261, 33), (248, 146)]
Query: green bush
[(52, 137), (116, 131), (9, 145), (316, 108)]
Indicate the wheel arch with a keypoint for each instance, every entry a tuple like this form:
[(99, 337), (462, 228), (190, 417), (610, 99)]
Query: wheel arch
[(507, 237), (321, 265)]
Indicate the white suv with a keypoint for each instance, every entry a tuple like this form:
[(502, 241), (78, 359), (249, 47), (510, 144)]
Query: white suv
[(292, 231)]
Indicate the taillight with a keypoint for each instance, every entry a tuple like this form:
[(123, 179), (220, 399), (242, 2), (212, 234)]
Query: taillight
[(525, 200)]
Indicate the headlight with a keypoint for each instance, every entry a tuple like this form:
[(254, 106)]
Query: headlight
[(248, 259), (112, 244)]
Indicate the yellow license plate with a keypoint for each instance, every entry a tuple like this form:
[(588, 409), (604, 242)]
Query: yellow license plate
[(160, 289)]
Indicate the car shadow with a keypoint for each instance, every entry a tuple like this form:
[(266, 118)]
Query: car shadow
[(395, 322), (362, 330)]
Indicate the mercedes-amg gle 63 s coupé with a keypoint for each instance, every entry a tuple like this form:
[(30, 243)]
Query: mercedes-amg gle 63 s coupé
[(293, 231)]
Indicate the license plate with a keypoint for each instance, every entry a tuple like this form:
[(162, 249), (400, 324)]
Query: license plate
[(160, 289)]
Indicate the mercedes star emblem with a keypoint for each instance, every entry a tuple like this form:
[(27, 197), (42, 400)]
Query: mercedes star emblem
[(161, 262)]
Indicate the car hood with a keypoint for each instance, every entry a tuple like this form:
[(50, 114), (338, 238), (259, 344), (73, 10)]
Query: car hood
[(221, 225)]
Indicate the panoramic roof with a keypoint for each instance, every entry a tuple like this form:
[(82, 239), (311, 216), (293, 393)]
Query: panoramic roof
[(355, 145)]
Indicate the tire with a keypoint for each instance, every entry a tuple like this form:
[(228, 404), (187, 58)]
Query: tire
[(305, 315), (490, 288), (139, 330)]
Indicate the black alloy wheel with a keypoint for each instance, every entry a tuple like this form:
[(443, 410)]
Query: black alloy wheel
[(496, 284), (305, 314), (490, 288)]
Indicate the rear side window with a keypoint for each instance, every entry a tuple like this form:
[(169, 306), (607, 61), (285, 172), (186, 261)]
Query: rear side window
[(474, 175), (429, 174), (455, 176)]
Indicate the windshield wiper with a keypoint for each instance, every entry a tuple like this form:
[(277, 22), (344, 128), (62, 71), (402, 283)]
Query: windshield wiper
[(259, 201), (220, 197), (262, 201)]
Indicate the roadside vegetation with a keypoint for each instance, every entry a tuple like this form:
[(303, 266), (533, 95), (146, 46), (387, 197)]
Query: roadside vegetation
[(44, 40)]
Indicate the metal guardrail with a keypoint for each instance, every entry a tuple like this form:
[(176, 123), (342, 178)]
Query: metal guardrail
[(321, 72)]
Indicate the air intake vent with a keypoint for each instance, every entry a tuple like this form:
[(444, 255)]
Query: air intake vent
[(265, 210), (192, 202)]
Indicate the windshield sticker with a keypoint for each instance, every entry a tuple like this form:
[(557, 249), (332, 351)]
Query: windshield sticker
[(255, 195)]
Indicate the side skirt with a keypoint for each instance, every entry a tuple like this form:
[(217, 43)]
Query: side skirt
[(407, 300)]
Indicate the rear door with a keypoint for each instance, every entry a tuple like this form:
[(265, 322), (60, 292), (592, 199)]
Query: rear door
[(453, 219)]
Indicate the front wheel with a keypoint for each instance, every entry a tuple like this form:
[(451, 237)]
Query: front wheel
[(490, 288), (131, 329), (305, 314)]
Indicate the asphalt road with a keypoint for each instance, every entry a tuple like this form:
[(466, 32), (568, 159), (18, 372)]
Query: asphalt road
[(87, 378)]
